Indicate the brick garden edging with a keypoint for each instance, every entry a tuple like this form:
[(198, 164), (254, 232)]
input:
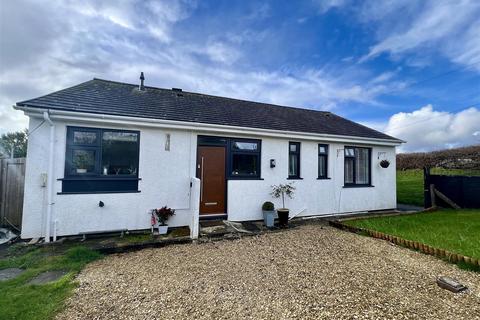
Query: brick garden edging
[(415, 245)]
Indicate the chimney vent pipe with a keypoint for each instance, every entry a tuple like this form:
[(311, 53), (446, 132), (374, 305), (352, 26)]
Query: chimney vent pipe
[(142, 78)]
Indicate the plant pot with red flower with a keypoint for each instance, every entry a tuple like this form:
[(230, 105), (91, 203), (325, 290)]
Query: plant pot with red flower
[(163, 214)]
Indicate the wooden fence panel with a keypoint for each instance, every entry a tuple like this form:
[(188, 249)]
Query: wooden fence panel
[(463, 190), (12, 182)]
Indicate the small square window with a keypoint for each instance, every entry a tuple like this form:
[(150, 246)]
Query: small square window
[(349, 152), (244, 159), (322, 149), (293, 147)]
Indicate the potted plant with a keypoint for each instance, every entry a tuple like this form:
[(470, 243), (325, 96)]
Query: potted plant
[(384, 163), (163, 214), (268, 210), (283, 190), (81, 163)]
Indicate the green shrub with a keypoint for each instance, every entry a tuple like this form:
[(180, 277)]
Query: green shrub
[(268, 206)]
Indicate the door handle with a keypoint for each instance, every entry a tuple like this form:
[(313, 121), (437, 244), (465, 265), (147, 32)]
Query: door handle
[(201, 181)]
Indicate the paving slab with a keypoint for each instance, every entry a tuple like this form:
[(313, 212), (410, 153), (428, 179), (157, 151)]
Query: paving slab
[(48, 276), (10, 273)]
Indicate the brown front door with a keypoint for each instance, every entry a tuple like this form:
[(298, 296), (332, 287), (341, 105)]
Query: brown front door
[(211, 172)]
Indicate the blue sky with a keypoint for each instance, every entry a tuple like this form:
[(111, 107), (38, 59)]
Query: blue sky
[(409, 68)]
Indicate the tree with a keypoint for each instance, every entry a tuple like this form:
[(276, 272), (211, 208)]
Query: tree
[(14, 144)]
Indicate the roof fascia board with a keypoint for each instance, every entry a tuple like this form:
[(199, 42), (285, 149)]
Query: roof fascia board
[(201, 127)]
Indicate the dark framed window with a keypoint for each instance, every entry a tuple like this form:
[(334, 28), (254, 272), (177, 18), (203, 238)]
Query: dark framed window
[(101, 160), (294, 160), (244, 159), (322, 161), (357, 166)]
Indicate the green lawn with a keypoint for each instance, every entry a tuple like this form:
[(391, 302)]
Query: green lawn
[(410, 183), (410, 187), (453, 230), (19, 300)]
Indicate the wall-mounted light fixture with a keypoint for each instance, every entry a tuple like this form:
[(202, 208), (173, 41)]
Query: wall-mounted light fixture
[(272, 163)]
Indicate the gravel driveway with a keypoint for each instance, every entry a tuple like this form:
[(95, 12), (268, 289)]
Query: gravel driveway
[(307, 272)]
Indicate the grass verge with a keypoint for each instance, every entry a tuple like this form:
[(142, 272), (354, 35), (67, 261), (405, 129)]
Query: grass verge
[(19, 300), (453, 230)]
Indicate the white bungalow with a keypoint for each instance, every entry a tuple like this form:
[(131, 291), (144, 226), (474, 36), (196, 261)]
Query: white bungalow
[(101, 154)]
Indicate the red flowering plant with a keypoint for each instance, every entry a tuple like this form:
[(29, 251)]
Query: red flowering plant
[(163, 214)]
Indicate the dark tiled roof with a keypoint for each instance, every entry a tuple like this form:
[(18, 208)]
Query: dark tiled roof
[(115, 98)]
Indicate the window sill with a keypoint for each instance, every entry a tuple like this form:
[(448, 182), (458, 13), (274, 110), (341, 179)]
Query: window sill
[(294, 178), (359, 186), (101, 178), (324, 178), (244, 178), (98, 192)]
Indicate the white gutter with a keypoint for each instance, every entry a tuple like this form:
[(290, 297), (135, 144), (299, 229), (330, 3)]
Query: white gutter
[(205, 127), (50, 174)]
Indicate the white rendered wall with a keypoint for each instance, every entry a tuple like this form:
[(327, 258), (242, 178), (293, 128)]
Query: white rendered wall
[(166, 177), (165, 180), (313, 196)]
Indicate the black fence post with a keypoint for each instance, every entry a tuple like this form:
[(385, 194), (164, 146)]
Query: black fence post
[(427, 200)]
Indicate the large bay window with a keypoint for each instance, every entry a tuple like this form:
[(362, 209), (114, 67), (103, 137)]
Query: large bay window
[(101, 160), (357, 166)]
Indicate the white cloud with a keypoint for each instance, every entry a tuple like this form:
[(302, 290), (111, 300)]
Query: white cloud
[(221, 52), (82, 40), (449, 27), (325, 5), (426, 129)]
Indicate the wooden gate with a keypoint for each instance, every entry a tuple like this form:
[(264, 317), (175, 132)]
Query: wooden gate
[(12, 181), (462, 190)]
